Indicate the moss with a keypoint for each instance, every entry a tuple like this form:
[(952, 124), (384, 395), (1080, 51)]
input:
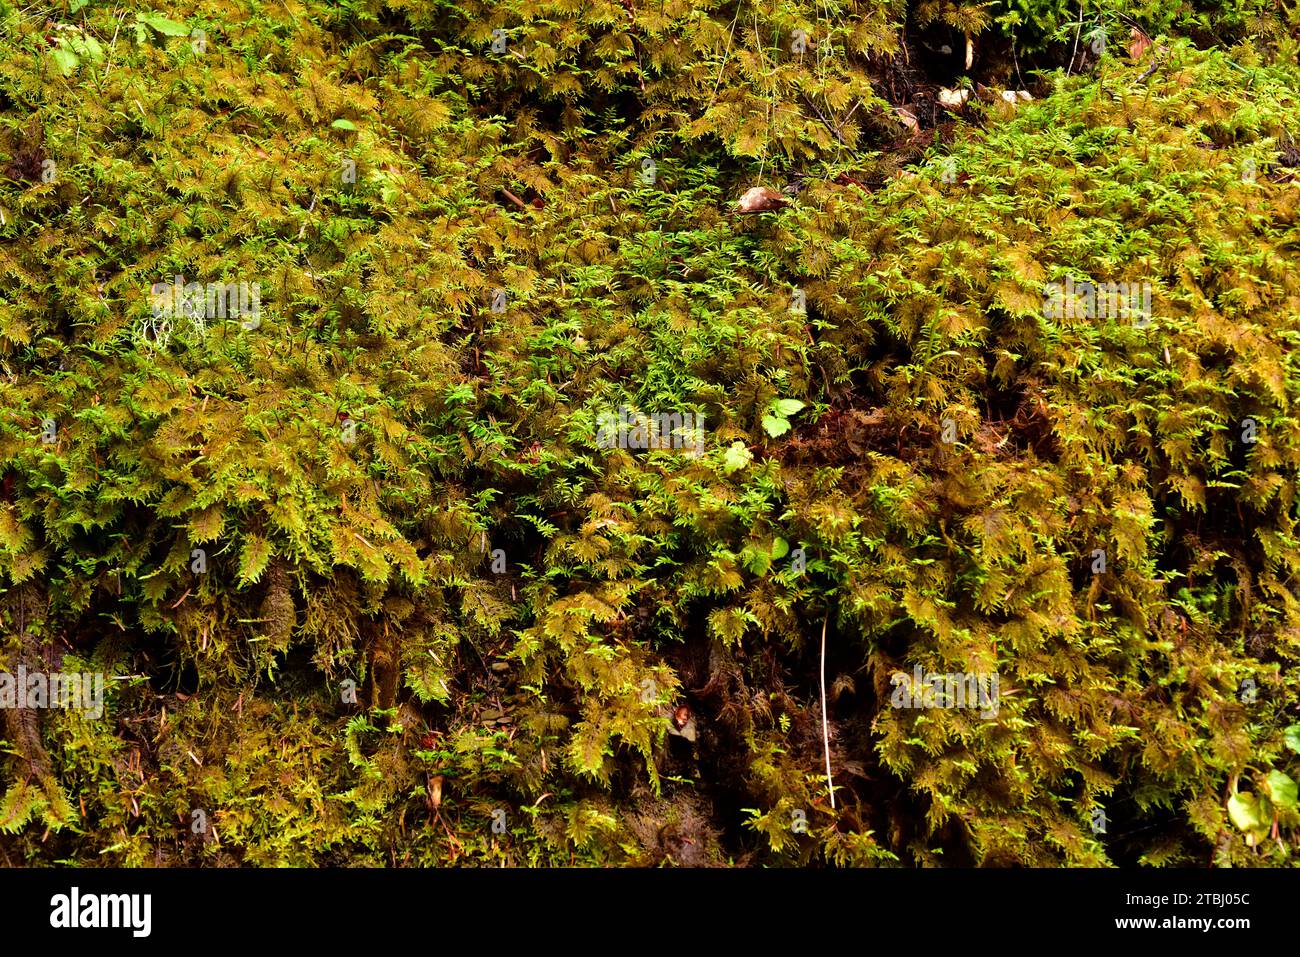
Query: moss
[(369, 586)]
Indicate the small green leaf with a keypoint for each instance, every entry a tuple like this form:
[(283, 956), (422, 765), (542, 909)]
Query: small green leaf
[(93, 48), (74, 6), (1291, 736), (786, 407), (1246, 812), (65, 59), (342, 124), (736, 457), (169, 28), (774, 426), (1281, 789), (780, 548)]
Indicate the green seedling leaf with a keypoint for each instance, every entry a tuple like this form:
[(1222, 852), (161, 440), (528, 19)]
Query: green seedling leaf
[(780, 548), (786, 407), (342, 124), (1291, 737), (1281, 789), (88, 46), (64, 59), (736, 458), (775, 427), (1247, 812), (168, 28)]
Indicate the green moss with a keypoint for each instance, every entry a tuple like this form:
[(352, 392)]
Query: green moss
[(369, 589)]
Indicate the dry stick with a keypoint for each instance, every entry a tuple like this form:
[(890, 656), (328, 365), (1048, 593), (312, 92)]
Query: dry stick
[(112, 47), (1070, 68), (850, 113), (826, 735), (826, 123), (758, 47), (726, 55)]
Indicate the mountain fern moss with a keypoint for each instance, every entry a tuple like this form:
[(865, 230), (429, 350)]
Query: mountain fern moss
[(370, 591)]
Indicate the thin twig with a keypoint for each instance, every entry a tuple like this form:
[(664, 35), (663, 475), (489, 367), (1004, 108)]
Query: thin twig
[(112, 47), (826, 734), (1070, 66), (726, 55), (826, 123)]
